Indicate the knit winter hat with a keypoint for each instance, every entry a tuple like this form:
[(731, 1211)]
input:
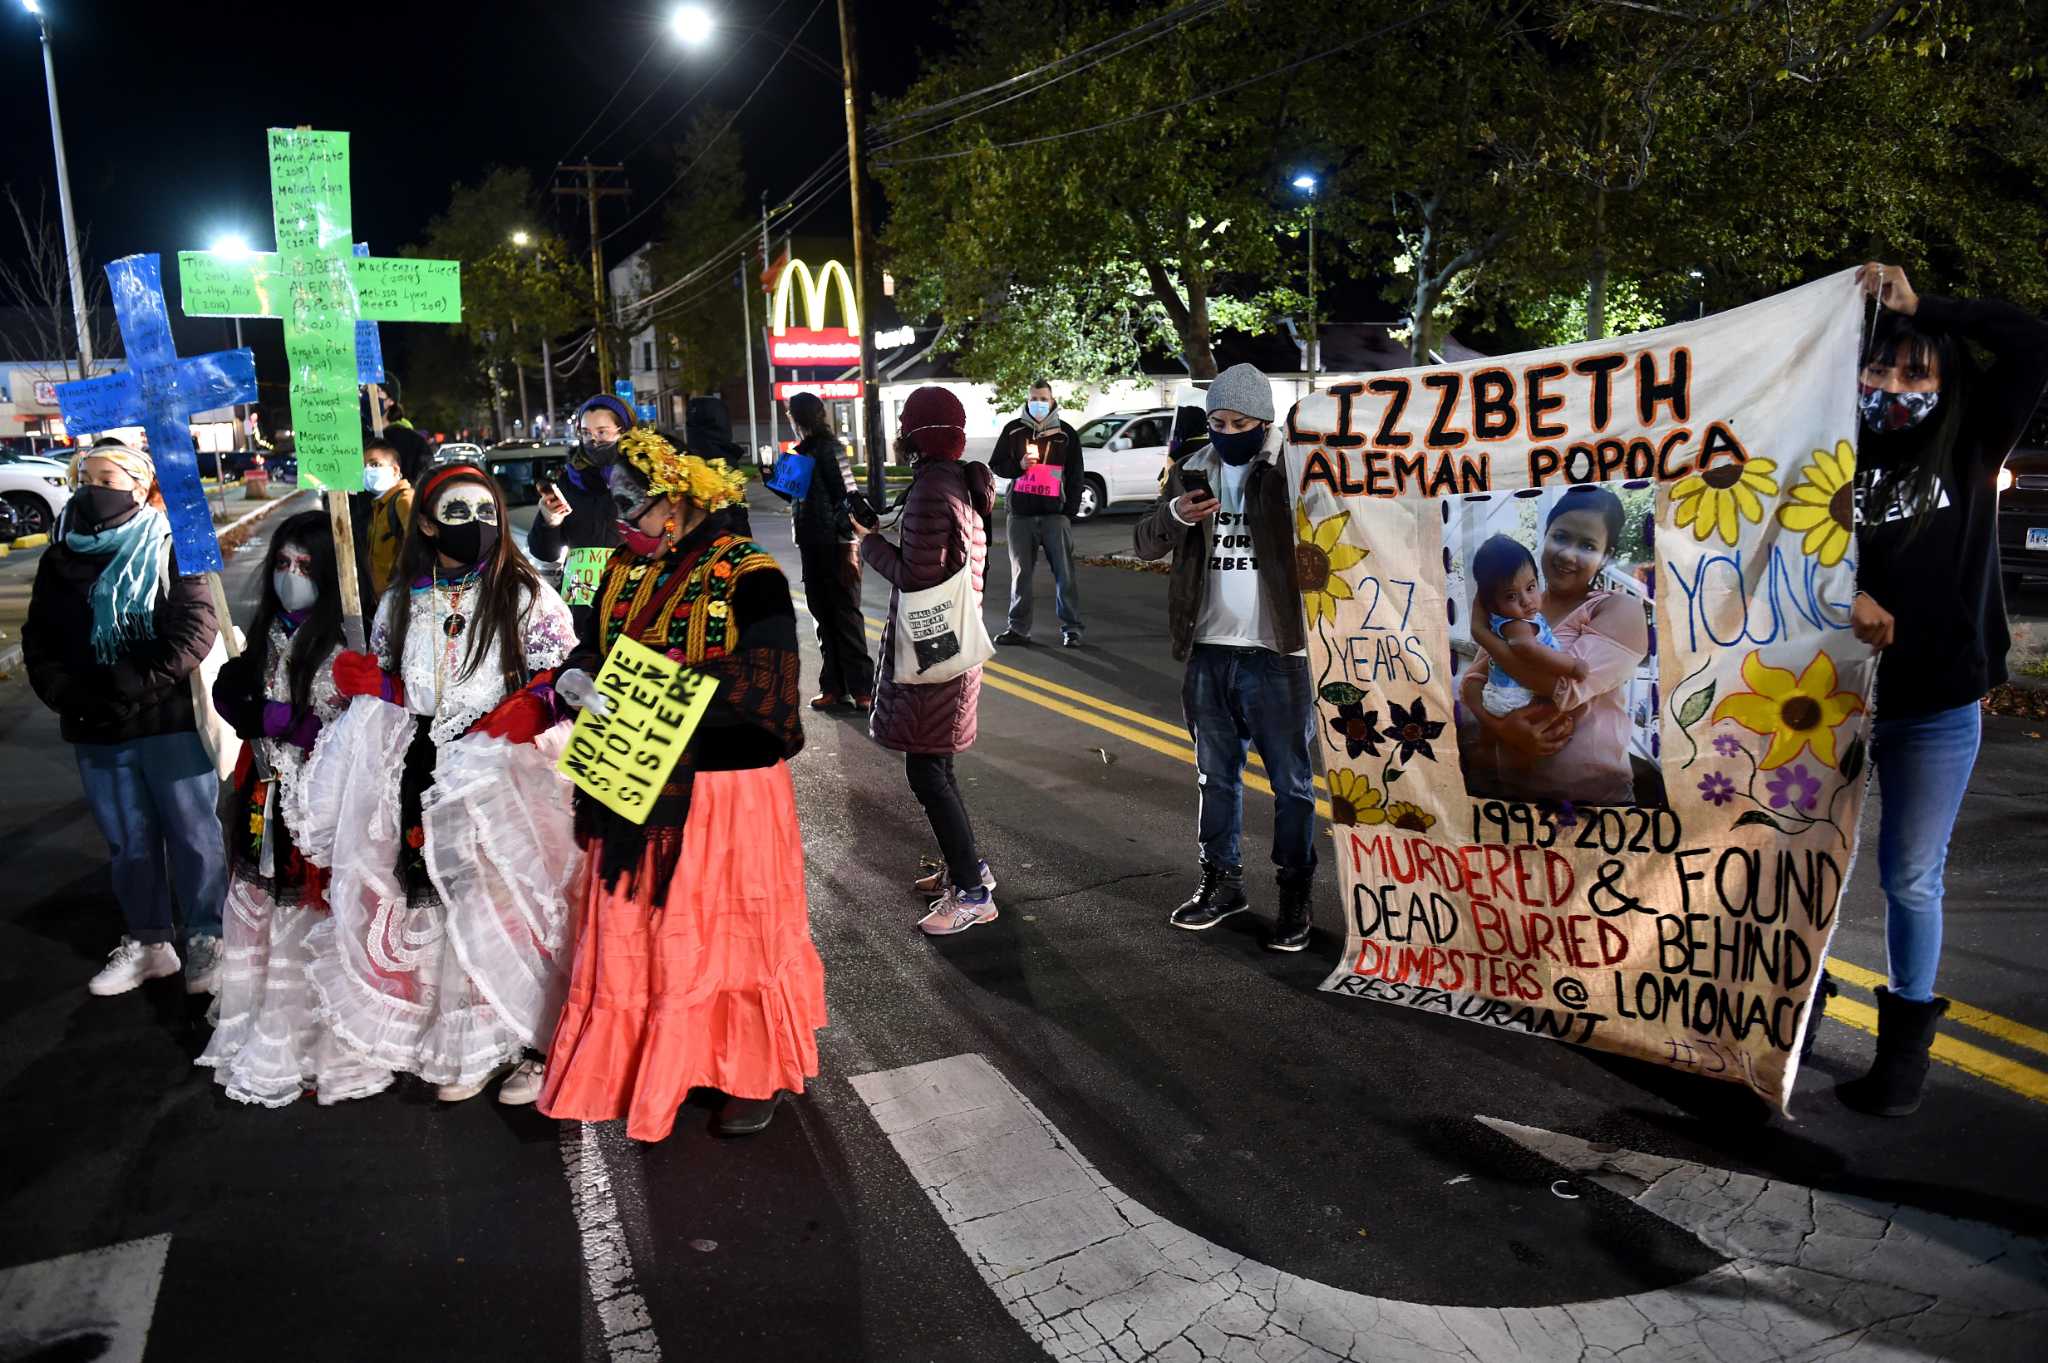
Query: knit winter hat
[(1241, 388), (935, 422), (607, 403)]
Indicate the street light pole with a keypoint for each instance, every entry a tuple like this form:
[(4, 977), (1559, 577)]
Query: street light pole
[(1307, 184), (64, 196), (864, 256), (747, 349)]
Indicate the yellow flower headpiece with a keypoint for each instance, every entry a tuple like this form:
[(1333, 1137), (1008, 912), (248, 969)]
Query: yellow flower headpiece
[(710, 483)]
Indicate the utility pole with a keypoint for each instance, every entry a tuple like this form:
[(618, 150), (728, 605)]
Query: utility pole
[(747, 348), (864, 258), (591, 191), (767, 345), (547, 382), (64, 202)]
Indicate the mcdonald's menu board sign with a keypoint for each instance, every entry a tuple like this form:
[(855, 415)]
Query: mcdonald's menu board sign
[(813, 343), (828, 390)]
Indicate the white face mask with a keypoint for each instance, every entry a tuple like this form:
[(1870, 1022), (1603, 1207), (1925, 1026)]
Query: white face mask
[(294, 592), (379, 478)]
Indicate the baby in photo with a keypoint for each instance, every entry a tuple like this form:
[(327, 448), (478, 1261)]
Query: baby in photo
[(1520, 639)]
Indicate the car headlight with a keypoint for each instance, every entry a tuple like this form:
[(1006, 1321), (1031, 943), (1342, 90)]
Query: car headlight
[(2004, 478), (53, 482)]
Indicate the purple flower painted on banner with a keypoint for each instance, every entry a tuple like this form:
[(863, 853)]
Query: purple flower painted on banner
[(1793, 787), (1716, 789), (1727, 745)]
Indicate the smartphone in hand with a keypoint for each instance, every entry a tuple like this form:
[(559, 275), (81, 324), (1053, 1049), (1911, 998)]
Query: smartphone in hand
[(1196, 480)]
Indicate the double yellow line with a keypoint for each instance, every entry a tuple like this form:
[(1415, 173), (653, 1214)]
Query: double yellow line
[(1171, 740)]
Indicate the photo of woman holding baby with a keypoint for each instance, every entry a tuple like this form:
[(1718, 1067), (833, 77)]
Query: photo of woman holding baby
[(1546, 700)]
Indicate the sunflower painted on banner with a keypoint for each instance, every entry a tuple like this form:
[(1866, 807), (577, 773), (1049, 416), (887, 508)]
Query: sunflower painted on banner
[(1795, 713), (1320, 554), (1718, 500), (1411, 818), (1822, 505), (1354, 800)]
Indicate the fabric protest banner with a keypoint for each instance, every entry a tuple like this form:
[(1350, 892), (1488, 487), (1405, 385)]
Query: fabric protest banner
[(622, 759), (1592, 715)]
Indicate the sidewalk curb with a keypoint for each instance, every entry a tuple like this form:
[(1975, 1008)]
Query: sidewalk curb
[(10, 656)]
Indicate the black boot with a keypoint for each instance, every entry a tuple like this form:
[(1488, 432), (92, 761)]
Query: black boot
[(1220, 894), (1291, 926), (745, 1116), (1904, 1032), (1817, 1010)]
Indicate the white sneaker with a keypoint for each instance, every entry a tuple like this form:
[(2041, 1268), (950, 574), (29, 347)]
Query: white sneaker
[(130, 963), (958, 911), (462, 1093), (202, 964), (522, 1086)]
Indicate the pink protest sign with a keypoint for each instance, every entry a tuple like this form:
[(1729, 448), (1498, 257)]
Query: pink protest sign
[(1041, 480)]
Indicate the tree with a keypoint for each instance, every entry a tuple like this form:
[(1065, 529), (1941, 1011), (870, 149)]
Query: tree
[(699, 326), (513, 294), (37, 285), (1086, 249)]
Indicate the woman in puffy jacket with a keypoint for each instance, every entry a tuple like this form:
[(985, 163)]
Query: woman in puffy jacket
[(944, 527)]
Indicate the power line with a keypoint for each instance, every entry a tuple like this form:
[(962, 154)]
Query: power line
[(684, 174), (577, 142), (1170, 18), (1178, 104)]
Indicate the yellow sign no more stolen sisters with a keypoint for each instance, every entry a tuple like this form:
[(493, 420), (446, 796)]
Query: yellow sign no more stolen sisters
[(320, 290)]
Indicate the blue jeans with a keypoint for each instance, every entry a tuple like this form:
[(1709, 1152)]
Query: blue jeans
[(155, 802), (1027, 535), (1923, 768), (1233, 698)]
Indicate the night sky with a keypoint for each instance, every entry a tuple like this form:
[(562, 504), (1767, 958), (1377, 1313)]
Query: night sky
[(165, 105)]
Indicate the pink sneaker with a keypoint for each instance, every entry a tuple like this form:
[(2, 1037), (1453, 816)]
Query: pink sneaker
[(958, 910)]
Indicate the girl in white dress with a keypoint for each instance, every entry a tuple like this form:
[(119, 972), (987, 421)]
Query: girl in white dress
[(435, 804), (269, 1044)]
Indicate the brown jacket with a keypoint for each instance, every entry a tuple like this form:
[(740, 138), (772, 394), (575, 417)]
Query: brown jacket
[(1266, 507)]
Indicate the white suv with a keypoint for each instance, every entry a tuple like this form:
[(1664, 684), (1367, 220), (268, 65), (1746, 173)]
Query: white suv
[(1125, 455), (36, 488)]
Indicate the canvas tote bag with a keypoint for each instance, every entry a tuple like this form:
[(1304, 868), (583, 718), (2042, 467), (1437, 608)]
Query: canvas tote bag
[(939, 633)]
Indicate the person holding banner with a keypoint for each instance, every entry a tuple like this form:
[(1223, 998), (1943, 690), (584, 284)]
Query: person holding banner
[(1936, 430), (1041, 455), (826, 547), (114, 637), (434, 804), (577, 513), (1234, 613), (692, 963), (270, 1043)]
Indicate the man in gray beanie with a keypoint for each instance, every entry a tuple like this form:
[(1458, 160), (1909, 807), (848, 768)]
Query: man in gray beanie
[(1234, 614)]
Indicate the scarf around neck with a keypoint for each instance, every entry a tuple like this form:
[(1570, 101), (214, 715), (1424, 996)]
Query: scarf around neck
[(124, 594)]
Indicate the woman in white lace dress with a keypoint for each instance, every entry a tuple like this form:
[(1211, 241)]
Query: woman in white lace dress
[(269, 1044), (435, 805)]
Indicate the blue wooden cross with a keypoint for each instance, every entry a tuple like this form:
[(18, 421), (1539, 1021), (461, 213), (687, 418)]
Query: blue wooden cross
[(160, 393)]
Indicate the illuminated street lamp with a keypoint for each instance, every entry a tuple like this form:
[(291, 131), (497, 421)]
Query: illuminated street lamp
[(1306, 183), (692, 25)]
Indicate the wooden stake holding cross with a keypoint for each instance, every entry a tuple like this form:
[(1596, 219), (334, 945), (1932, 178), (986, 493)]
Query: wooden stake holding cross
[(321, 290)]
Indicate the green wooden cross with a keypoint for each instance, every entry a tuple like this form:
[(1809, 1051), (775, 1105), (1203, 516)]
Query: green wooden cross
[(320, 289)]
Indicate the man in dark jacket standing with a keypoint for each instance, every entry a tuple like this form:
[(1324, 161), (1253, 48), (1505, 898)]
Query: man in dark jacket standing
[(1041, 454), (826, 547), (1234, 612)]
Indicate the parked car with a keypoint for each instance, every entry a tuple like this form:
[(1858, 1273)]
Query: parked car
[(520, 465), (35, 488), (1125, 455), (459, 452), (2023, 506)]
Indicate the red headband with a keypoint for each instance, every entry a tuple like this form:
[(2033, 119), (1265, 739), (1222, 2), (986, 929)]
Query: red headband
[(451, 473)]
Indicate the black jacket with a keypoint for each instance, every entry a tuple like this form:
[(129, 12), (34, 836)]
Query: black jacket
[(148, 690), (1158, 534), (1941, 584), (1060, 447), (592, 522), (821, 517)]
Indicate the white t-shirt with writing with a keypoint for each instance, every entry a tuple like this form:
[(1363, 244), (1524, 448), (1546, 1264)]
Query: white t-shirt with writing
[(1232, 613)]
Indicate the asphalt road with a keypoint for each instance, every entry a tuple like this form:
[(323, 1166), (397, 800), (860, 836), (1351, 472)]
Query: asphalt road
[(1209, 1081)]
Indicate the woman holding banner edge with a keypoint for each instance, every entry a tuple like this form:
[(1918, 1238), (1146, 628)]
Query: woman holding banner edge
[(1936, 431), (691, 962)]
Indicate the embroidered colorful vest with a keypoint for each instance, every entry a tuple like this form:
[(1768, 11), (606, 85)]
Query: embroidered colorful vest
[(682, 606)]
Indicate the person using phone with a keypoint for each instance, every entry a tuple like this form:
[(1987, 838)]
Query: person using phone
[(1234, 608), (1041, 455), (576, 511)]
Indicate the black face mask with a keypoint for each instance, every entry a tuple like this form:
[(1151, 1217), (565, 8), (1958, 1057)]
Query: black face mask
[(100, 507), (469, 543), (600, 453), (1237, 447)]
